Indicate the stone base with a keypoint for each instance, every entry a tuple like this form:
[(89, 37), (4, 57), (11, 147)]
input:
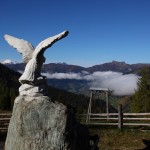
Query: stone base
[(33, 90), (37, 123)]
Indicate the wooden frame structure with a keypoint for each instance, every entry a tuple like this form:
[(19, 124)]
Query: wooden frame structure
[(95, 91)]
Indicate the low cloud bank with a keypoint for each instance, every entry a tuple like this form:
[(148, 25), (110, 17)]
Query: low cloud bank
[(77, 76), (117, 82)]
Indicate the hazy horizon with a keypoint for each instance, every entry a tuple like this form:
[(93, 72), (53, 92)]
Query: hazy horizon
[(99, 31)]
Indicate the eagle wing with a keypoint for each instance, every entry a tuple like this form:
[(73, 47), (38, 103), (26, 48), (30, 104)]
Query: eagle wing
[(42, 46), (22, 46)]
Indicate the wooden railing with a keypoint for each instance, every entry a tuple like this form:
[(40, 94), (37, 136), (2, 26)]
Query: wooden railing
[(116, 119), (113, 119), (4, 121)]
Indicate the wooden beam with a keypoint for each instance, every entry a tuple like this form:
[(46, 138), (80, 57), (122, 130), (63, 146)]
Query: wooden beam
[(120, 117), (89, 108)]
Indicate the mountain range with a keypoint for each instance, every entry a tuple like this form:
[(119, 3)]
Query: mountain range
[(65, 68), (78, 79), (73, 78), (9, 85)]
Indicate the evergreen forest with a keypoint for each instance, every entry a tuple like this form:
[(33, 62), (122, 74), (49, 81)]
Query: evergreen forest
[(9, 86)]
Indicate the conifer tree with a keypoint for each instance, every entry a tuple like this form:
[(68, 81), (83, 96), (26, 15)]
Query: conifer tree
[(141, 98)]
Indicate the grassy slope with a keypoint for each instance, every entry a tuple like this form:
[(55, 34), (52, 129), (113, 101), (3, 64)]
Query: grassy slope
[(127, 139), (114, 139)]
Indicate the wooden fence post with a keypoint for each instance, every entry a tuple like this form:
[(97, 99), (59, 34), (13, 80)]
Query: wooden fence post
[(89, 108), (120, 117)]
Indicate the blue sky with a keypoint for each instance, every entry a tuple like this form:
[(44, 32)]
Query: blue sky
[(100, 30)]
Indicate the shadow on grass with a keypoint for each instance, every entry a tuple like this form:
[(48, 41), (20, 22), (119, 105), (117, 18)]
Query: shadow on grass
[(2, 140), (128, 137), (147, 144)]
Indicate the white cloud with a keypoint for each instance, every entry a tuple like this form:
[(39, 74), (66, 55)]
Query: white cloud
[(76, 76), (8, 61), (117, 82)]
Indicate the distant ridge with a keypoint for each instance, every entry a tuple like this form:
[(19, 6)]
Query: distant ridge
[(65, 68), (79, 86), (9, 85)]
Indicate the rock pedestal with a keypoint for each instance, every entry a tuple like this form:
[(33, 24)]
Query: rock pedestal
[(37, 123)]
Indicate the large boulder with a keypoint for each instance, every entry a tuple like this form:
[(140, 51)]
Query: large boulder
[(37, 123)]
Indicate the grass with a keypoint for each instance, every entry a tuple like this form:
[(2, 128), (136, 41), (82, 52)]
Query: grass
[(115, 139), (112, 138)]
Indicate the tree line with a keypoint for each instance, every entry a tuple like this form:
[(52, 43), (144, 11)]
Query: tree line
[(9, 86), (140, 101)]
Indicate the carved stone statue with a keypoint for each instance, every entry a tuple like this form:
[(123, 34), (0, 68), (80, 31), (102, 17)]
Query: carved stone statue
[(32, 81), (37, 123)]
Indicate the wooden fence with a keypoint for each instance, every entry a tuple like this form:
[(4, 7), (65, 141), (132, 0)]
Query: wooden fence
[(116, 119), (4, 121), (111, 119)]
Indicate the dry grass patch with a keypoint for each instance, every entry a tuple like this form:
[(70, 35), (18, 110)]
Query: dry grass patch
[(126, 139)]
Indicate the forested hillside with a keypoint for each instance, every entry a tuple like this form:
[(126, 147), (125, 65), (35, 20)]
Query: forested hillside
[(141, 98), (66, 68), (8, 87), (78, 101), (9, 90)]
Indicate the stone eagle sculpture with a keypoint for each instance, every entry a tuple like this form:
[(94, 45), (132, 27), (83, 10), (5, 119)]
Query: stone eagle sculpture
[(33, 57)]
